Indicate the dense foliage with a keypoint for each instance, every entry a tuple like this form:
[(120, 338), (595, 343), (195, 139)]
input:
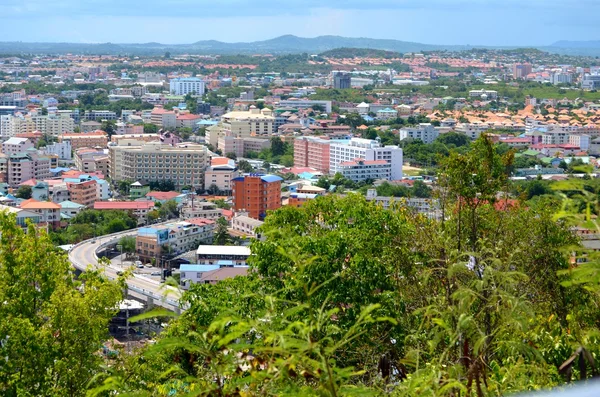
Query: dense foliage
[(346, 298)]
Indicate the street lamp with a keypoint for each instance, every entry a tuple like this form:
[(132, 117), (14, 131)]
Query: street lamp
[(120, 248)]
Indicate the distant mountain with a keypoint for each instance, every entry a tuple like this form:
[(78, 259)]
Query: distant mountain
[(576, 44), (279, 45)]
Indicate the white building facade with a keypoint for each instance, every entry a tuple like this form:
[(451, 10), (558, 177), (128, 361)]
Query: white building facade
[(367, 150), (188, 85)]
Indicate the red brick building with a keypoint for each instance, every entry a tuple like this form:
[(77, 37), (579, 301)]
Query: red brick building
[(256, 194)]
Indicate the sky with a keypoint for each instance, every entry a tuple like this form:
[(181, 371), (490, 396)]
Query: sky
[(474, 22)]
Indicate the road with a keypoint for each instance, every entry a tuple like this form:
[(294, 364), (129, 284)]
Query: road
[(83, 255)]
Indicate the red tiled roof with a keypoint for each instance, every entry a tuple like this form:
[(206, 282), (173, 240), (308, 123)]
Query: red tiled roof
[(162, 195), (32, 204), (200, 221), (123, 205), (188, 116)]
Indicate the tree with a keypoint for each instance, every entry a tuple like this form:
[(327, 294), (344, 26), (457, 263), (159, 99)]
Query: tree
[(221, 233), (287, 160), (278, 147), (150, 129), (109, 126), (169, 209), (128, 244), (53, 325), (231, 155), (24, 192), (221, 203), (245, 166), (213, 189), (421, 190), (453, 138), (266, 165)]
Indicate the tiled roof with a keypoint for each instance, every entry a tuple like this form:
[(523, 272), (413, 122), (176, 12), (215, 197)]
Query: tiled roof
[(123, 205)]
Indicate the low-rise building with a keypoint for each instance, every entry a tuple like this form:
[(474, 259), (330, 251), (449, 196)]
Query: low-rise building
[(220, 174), (49, 212), (212, 254), (242, 224), (173, 238), (209, 274), (69, 209), (200, 209), (83, 192), (89, 140), (426, 132), (16, 145), (22, 216), (138, 190)]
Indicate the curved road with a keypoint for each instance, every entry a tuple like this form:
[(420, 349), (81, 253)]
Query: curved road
[(84, 254)]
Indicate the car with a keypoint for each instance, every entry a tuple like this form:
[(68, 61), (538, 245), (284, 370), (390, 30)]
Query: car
[(149, 266), (119, 273), (138, 263), (155, 274), (140, 266)]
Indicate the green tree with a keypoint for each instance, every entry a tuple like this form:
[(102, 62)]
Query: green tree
[(23, 192), (221, 233), (278, 147), (245, 166), (109, 126), (231, 155), (421, 190), (150, 128), (53, 325), (128, 244)]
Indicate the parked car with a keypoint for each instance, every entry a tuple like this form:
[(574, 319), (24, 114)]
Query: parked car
[(155, 274)]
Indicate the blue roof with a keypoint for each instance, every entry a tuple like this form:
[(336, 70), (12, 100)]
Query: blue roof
[(271, 178), (207, 122), (59, 169), (198, 268)]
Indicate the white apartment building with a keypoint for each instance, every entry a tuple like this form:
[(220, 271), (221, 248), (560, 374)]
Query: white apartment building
[(362, 170), (221, 176), (200, 209), (366, 150), (472, 130), (483, 94), (53, 124), (188, 85), (243, 224), (16, 145), (425, 132), (183, 164), (561, 78), (555, 137), (63, 150)]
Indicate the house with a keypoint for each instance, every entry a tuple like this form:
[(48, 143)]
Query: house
[(163, 197), (69, 209), (22, 216), (209, 274), (138, 190), (49, 212), (212, 254)]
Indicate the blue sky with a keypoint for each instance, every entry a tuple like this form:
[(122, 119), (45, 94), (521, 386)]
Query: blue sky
[(489, 22)]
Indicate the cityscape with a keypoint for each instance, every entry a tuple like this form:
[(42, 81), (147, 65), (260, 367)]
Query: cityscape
[(312, 214)]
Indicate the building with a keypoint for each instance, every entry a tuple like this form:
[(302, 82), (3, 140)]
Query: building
[(386, 114), (341, 80), (187, 85), (582, 141), (213, 254), (257, 194), (49, 212), (297, 200), (163, 118), (23, 217), (366, 150), (183, 164), (163, 197), (83, 192), (92, 160), (99, 115), (209, 274), (426, 132), (90, 126), (312, 152), (425, 206), (173, 238), (138, 190), (362, 170), (484, 94), (521, 70), (80, 140), (69, 209), (187, 120), (63, 150), (561, 78), (590, 82), (220, 174), (138, 208), (242, 124), (306, 104), (24, 166), (200, 209), (16, 145), (244, 225)]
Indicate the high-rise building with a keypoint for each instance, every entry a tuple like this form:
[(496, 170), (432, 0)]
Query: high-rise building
[(561, 78), (188, 85), (590, 82), (312, 152), (183, 164), (341, 80), (257, 194), (521, 70), (367, 151)]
